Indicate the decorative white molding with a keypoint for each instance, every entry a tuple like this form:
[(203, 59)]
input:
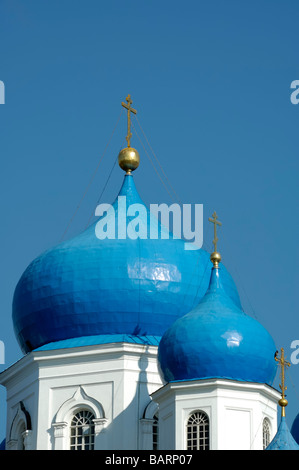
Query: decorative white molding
[(151, 409), (63, 418), (59, 429), (146, 425), (12, 444), (20, 430), (27, 437), (100, 424), (79, 399)]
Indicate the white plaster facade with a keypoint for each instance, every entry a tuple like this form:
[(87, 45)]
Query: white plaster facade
[(120, 384), (236, 411), (114, 381)]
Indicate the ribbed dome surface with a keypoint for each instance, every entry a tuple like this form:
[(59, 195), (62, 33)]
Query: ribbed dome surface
[(86, 286), (217, 339), (283, 439)]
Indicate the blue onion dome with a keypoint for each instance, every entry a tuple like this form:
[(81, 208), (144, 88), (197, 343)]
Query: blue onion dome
[(217, 340), (88, 286), (283, 439), (295, 429)]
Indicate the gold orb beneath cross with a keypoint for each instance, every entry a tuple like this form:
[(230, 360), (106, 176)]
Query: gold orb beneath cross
[(283, 402), (128, 159), (215, 258)]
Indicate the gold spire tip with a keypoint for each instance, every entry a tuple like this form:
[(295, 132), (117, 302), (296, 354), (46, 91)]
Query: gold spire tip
[(283, 364), (215, 256), (128, 158)]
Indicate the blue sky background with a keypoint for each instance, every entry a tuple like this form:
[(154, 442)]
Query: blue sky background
[(211, 83)]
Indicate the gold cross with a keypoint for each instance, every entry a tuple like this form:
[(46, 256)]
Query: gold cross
[(130, 110), (283, 363), (215, 222)]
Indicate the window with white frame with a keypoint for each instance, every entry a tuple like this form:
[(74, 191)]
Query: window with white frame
[(198, 431), (82, 431), (266, 433), (155, 431)]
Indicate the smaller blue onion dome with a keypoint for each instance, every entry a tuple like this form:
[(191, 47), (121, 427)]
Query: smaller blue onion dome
[(217, 340), (283, 439), (295, 429)]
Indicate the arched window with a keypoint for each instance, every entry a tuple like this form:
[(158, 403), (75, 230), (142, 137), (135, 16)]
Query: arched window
[(266, 433), (155, 431), (82, 431), (198, 431)]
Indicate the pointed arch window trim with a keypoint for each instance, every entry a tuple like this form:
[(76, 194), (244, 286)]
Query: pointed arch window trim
[(20, 435), (79, 401)]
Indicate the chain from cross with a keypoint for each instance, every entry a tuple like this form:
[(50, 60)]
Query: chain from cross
[(130, 110)]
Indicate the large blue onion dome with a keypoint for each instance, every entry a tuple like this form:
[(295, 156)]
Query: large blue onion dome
[(295, 429), (217, 340), (87, 287)]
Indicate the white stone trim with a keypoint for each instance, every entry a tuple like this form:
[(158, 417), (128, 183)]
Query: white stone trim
[(21, 419), (61, 424), (27, 437), (146, 425)]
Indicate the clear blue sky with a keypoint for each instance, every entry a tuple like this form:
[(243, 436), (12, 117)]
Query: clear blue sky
[(211, 83)]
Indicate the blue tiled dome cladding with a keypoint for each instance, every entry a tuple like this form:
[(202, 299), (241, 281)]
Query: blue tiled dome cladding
[(217, 339), (87, 287), (295, 429), (283, 439)]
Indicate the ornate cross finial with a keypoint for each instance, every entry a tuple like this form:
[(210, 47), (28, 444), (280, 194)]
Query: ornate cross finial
[(130, 110), (215, 222), (283, 363)]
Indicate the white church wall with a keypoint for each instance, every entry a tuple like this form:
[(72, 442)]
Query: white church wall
[(115, 382), (242, 408), (237, 429), (235, 410), (21, 381), (167, 426), (121, 385)]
